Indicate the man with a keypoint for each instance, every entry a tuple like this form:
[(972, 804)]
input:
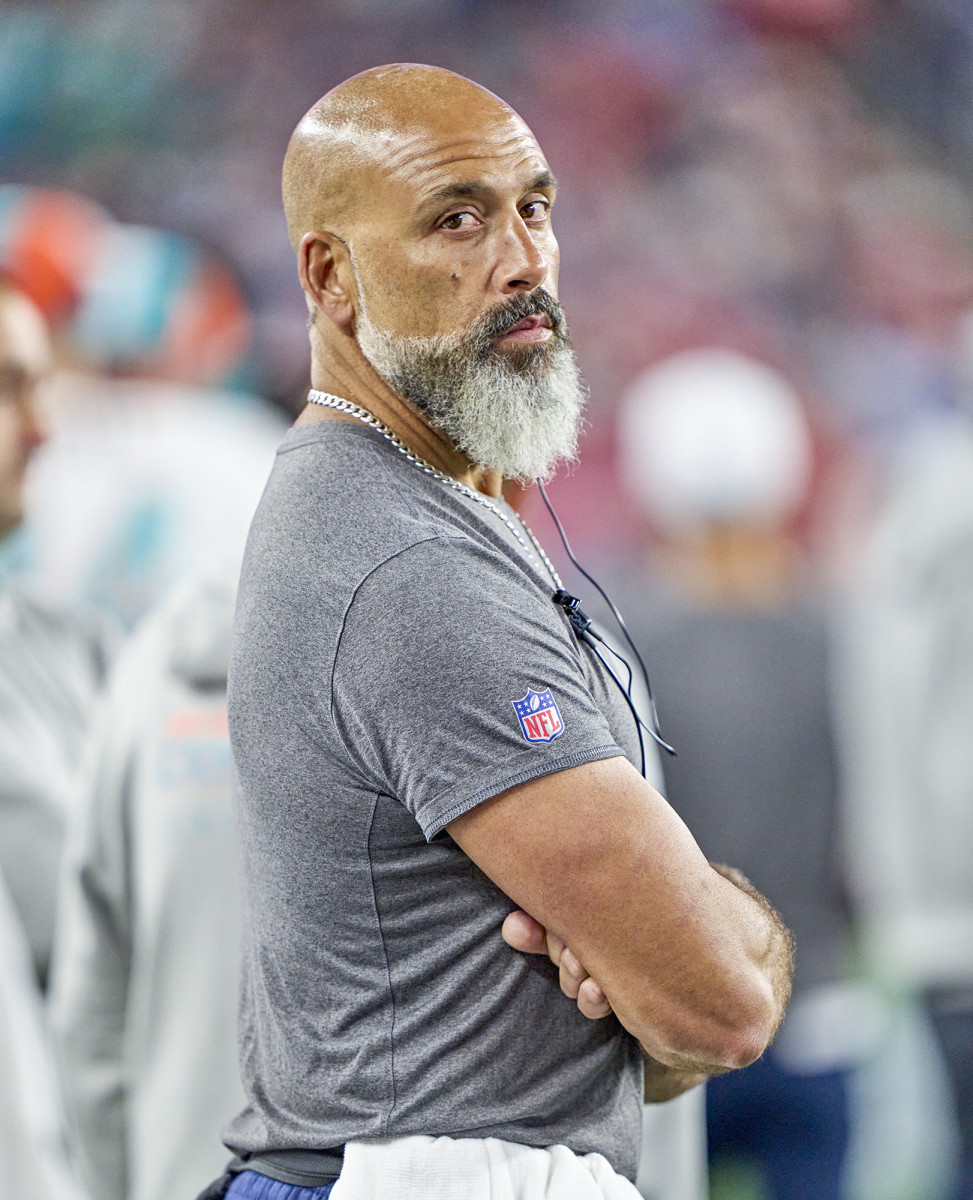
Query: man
[(719, 458), (146, 953), (422, 742), (51, 665), (905, 689), (52, 661)]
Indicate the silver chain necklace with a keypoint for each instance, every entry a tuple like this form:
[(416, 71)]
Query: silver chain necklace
[(326, 400)]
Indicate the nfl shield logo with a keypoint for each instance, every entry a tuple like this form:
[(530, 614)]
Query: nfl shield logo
[(538, 714)]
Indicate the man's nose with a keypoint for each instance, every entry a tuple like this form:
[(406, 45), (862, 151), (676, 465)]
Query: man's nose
[(523, 264)]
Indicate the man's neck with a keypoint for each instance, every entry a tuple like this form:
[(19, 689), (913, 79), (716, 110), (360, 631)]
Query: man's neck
[(360, 384)]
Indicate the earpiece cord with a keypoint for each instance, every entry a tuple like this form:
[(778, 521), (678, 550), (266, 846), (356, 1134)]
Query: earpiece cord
[(592, 632), (621, 658), (655, 732), (626, 694)]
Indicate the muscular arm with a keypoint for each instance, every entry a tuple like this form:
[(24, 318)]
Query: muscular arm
[(694, 964)]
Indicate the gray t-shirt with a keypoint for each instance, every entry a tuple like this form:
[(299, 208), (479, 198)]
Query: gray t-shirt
[(397, 659)]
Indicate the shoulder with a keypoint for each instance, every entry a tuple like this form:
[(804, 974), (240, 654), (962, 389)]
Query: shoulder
[(332, 457), (454, 581), (334, 486), (344, 509)]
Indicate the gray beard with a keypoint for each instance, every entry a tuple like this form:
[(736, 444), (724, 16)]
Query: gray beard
[(517, 413)]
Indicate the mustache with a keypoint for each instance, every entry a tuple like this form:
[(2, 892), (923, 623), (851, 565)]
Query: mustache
[(526, 304)]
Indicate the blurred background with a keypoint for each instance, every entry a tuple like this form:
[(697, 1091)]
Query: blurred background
[(771, 198), (788, 177)]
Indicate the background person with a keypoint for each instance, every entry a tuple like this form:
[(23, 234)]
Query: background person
[(144, 981), (158, 449), (904, 671), (717, 451), (53, 658)]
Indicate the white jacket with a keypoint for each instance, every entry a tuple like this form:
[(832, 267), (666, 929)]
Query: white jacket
[(906, 694), (53, 663), (33, 1164), (144, 979)]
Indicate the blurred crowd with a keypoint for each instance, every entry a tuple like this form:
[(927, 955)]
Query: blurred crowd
[(766, 224)]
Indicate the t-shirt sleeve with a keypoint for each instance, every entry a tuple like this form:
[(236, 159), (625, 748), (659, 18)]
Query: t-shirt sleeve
[(457, 678)]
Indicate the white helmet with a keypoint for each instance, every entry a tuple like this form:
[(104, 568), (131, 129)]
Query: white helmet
[(711, 435)]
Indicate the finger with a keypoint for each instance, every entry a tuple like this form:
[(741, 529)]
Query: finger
[(523, 933), (555, 948), (592, 1001), (571, 974)]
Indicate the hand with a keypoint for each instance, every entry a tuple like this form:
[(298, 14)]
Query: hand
[(523, 933)]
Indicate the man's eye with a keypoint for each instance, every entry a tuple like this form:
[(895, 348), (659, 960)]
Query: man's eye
[(458, 220), (535, 210)]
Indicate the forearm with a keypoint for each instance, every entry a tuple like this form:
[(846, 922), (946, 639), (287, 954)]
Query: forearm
[(759, 964), (776, 958), (677, 1063), (693, 964)]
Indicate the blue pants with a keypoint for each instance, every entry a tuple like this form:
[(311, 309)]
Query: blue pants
[(792, 1128), (249, 1185)]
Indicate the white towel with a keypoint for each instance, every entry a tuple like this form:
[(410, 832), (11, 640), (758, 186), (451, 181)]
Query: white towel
[(442, 1168)]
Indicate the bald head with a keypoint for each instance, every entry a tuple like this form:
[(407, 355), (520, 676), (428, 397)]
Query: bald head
[(373, 121), (419, 205)]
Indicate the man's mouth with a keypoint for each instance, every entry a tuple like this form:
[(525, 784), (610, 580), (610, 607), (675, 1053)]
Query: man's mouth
[(535, 328)]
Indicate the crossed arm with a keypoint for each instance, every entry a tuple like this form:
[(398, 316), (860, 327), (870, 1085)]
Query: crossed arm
[(690, 957), (523, 933)]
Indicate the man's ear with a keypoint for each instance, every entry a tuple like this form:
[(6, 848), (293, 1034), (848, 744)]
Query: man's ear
[(326, 276)]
